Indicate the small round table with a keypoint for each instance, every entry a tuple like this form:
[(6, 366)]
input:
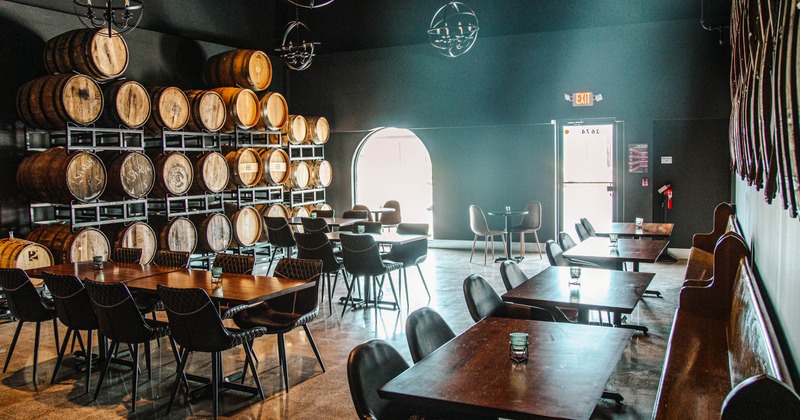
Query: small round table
[(508, 214)]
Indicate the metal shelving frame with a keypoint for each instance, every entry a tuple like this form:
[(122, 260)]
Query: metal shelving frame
[(96, 213)]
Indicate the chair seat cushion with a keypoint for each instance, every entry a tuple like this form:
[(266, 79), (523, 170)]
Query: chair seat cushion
[(274, 321), (240, 336), (522, 228), (147, 302), (158, 329), (392, 265)]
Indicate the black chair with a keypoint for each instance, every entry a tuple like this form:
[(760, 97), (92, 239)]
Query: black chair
[(362, 259), (282, 314), (127, 255), (369, 226), (120, 321), (361, 207), (316, 246), (426, 331), (583, 234), (26, 305), (280, 236), (357, 214), (235, 264), (555, 254), (391, 219), (75, 310), (369, 366), (588, 226), (512, 275), (313, 225), (483, 301), (411, 254), (167, 258), (196, 326), (323, 213), (565, 241)]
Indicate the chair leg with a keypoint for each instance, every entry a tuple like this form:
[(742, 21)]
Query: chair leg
[(55, 329), (404, 278), (135, 384), (181, 367), (391, 285), (147, 360), (13, 344), (111, 350), (486, 248), (36, 352), (474, 240), (522, 244), (249, 360), (282, 360), (88, 361), (314, 346), (215, 358), (538, 246), (424, 283), (349, 298), (61, 356)]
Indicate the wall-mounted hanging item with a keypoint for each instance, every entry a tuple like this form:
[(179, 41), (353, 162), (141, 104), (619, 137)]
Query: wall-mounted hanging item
[(311, 4), (454, 29), (297, 47), (119, 15)]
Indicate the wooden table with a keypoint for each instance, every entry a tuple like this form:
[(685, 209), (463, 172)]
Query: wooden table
[(648, 230), (331, 221), (614, 291), (567, 369), (235, 289), (112, 272), (597, 249), (388, 238)]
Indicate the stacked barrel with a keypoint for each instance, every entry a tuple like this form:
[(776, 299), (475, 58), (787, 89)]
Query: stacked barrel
[(85, 89)]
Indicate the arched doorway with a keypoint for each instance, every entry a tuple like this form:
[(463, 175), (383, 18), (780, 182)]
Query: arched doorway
[(393, 164)]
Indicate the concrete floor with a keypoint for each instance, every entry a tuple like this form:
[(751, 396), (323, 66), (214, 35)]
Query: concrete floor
[(315, 394)]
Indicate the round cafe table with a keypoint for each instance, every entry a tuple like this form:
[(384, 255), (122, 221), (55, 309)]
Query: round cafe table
[(507, 215)]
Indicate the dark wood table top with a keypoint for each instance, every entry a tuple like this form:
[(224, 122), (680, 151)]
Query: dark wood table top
[(331, 221), (598, 249), (566, 373), (648, 230), (235, 289), (604, 290), (392, 238), (112, 272)]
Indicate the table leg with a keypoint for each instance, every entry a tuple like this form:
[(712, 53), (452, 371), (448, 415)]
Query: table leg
[(508, 246), (617, 321)]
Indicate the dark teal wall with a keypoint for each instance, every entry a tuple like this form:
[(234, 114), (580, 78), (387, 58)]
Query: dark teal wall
[(485, 116)]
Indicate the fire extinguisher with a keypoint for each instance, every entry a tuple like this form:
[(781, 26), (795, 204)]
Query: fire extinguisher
[(668, 193)]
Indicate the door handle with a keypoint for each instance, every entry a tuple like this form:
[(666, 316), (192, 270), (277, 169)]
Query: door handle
[(611, 188)]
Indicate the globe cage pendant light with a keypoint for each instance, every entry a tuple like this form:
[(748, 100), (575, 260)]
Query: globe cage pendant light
[(116, 15), (454, 29), (310, 4)]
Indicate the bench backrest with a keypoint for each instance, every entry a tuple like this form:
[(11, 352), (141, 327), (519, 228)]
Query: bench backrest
[(713, 297), (723, 214)]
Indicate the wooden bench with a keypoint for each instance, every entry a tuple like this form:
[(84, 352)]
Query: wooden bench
[(723, 358), (700, 265)]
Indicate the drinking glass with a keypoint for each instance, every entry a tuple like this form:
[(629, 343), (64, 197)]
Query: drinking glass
[(518, 350), (575, 275), (574, 293), (313, 215), (508, 209), (613, 237), (97, 261), (361, 229), (216, 274), (639, 222)]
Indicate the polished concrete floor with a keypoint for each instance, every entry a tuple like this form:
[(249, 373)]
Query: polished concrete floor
[(314, 394)]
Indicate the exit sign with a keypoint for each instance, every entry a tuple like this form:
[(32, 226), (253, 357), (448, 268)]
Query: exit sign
[(582, 99)]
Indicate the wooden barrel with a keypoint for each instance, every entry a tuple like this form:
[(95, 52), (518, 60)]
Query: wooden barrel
[(130, 174), (211, 172), (246, 224), (50, 102), (300, 212), (245, 165), (274, 111), (174, 174), (214, 232), (241, 108), (299, 176), (321, 173), (275, 166), (54, 176), (87, 51), (207, 111), (319, 130), (296, 129), (246, 68), (127, 103), (68, 246), (178, 234), (170, 109), (134, 235), (275, 210), (19, 253)]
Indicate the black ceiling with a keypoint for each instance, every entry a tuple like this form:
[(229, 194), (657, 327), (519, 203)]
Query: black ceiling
[(348, 25)]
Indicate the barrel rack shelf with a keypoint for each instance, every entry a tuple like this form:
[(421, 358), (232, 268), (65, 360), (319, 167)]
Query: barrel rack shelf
[(251, 196), (89, 214), (85, 138), (306, 151), (184, 141), (306, 197), (186, 205), (254, 138)]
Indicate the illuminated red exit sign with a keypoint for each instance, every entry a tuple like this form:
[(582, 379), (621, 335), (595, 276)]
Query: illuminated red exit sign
[(582, 99)]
